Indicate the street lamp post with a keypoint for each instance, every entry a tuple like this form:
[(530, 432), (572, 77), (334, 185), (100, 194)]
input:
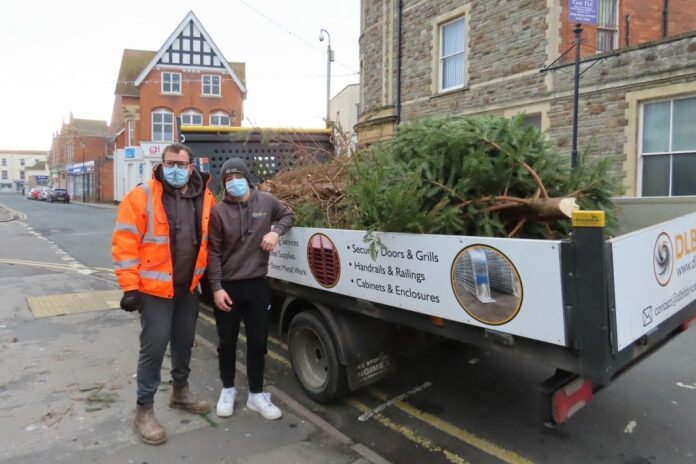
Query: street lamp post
[(83, 170), (329, 59)]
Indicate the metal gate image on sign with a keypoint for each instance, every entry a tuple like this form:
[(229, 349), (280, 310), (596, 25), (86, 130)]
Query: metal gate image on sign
[(486, 284)]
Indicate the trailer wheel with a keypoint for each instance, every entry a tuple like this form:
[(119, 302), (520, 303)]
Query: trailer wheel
[(315, 358)]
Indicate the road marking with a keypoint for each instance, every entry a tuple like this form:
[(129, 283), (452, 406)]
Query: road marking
[(207, 318), (386, 404), (630, 427), (73, 266), (467, 437), (409, 434), (59, 266), (690, 387)]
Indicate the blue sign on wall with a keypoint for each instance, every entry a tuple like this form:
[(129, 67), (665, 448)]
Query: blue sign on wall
[(583, 11), (130, 152)]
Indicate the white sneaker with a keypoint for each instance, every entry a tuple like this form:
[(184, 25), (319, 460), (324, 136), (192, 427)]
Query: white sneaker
[(225, 405), (261, 403)]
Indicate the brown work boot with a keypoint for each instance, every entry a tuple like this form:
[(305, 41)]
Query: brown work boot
[(147, 427), (182, 398)]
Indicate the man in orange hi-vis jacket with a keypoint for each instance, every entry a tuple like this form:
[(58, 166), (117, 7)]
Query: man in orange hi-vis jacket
[(160, 252)]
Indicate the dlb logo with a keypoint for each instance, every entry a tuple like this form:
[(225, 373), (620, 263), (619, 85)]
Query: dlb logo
[(663, 259)]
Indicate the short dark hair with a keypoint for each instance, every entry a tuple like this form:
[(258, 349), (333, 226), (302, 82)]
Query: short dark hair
[(176, 148)]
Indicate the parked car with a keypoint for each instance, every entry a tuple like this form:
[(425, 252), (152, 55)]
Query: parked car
[(44, 193), (58, 194), (34, 193)]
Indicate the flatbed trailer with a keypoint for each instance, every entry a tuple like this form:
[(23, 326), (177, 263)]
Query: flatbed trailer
[(591, 306)]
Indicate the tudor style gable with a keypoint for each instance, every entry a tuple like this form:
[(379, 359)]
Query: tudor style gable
[(190, 47)]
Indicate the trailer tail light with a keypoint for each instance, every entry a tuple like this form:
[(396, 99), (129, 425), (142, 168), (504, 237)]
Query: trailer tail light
[(570, 399), (688, 323)]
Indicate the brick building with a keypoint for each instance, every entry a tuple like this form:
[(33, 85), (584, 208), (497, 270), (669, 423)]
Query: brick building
[(625, 23), (445, 57), (81, 160), (187, 78)]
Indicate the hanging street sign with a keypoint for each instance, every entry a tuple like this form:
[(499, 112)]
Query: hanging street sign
[(583, 11)]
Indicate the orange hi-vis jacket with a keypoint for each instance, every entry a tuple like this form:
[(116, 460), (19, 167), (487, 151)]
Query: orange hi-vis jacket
[(140, 242)]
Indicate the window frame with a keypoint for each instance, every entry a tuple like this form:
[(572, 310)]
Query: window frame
[(608, 28), (670, 153), (163, 112), (441, 58), (130, 133), (211, 85), (219, 113), (191, 112), (171, 83)]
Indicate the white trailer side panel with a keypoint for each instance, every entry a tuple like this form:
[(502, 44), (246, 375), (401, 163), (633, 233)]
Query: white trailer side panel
[(510, 285), (654, 276)]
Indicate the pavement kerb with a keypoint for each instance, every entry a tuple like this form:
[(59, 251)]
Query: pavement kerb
[(8, 214), (317, 421), (95, 205)]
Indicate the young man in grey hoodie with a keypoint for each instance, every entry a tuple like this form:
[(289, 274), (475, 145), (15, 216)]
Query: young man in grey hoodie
[(243, 229)]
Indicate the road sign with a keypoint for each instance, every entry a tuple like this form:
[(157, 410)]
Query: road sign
[(583, 11)]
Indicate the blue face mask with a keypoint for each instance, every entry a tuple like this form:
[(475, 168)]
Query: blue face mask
[(237, 187), (175, 176)]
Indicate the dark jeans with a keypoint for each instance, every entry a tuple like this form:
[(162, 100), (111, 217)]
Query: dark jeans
[(163, 321), (251, 302)]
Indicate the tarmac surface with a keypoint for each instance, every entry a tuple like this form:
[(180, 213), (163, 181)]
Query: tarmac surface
[(67, 383)]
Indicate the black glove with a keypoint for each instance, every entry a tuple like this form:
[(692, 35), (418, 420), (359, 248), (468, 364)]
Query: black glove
[(132, 301)]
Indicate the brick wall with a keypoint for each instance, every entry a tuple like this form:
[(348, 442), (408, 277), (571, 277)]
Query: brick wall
[(505, 44), (104, 181), (372, 78), (507, 47), (603, 95), (682, 16), (151, 98), (645, 24)]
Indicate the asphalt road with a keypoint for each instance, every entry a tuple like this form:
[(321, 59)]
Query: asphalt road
[(82, 231), (473, 406)]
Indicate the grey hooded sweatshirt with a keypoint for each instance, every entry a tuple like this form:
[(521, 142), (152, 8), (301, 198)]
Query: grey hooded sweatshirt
[(235, 232)]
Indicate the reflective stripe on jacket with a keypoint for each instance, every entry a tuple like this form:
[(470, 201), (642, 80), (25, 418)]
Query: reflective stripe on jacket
[(140, 242)]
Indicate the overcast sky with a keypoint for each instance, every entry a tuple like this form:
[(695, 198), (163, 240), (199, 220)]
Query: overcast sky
[(58, 57)]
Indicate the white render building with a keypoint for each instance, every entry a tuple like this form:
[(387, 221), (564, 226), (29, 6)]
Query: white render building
[(22, 168)]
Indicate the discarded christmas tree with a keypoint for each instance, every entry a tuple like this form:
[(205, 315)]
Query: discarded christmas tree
[(482, 176)]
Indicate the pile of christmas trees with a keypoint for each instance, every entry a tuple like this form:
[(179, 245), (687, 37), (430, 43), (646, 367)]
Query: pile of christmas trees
[(482, 176)]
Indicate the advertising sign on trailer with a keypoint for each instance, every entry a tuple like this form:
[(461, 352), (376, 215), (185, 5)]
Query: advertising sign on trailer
[(661, 262), (512, 286)]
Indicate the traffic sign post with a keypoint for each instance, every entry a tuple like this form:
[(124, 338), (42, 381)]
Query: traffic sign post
[(580, 12)]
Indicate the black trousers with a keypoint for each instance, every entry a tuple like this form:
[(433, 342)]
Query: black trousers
[(251, 303)]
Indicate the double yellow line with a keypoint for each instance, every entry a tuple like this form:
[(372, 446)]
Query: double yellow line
[(406, 432)]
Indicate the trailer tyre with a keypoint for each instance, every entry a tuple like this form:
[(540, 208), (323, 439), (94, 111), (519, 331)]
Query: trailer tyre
[(315, 358)]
